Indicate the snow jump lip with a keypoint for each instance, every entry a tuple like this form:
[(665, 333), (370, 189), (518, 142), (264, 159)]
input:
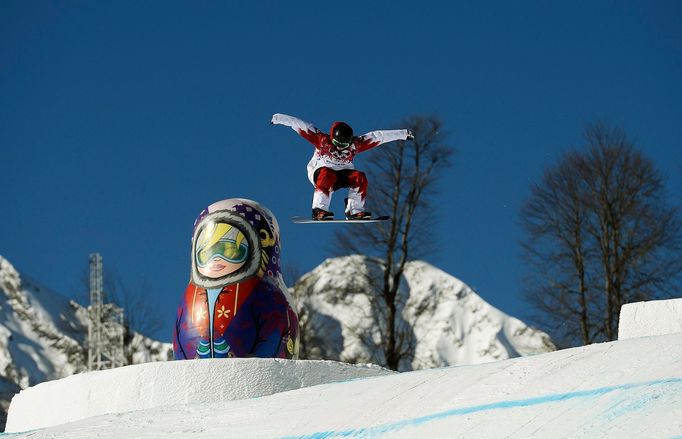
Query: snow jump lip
[(150, 385)]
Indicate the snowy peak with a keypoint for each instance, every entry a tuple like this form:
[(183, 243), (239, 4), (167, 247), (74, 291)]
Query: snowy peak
[(465, 328), (440, 319), (42, 333)]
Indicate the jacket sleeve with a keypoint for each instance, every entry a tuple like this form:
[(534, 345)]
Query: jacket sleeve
[(271, 312), (376, 138), (305, 129)]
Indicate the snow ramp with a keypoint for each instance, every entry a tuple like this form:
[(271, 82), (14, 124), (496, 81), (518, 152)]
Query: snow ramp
[(628, 388)]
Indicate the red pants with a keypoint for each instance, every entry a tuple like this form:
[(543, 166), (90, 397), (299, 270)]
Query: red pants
[(328, 180)]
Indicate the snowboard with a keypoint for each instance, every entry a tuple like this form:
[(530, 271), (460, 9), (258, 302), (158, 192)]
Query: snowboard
[(308, 220)]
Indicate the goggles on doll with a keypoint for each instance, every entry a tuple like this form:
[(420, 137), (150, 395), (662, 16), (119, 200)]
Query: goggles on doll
[(228, 236), (225, 249)]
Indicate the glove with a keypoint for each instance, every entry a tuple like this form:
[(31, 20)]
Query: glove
[(410, 135), (276, 119)]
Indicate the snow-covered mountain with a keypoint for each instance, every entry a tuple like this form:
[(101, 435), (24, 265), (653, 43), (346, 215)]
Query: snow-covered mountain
[(443, 320), (42, 336)]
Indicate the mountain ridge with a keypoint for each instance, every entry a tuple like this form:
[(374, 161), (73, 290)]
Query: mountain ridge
[(446, 321)]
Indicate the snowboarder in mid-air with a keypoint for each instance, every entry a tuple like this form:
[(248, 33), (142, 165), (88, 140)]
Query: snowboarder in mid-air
[(331, 167)]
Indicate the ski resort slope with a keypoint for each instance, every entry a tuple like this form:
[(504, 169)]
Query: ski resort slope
[(628, 388)]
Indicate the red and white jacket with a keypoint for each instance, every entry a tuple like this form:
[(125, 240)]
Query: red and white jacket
[(326, 153)]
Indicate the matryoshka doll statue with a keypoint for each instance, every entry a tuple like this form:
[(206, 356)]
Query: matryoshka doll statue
[(236, 303)]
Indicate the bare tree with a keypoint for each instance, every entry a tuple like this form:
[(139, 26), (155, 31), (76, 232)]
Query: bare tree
[(139, 316), (403, 180), (599, 235), (558, 249)]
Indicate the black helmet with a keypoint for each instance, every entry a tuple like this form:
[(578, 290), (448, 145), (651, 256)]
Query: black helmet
[(341, 135)]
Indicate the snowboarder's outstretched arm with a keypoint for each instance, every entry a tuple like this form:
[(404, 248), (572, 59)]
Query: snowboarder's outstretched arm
[(376, 138), (307, 130)]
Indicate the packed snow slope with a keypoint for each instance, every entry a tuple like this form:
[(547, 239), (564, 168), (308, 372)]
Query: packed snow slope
[(441, 320), (626, 389)]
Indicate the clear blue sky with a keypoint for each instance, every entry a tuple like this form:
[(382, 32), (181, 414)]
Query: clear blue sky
[(121, 121)]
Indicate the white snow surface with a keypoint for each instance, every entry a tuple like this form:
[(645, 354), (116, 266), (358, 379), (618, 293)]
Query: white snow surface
[(625, 389), (655, 317), (441, 317), (151, 385)]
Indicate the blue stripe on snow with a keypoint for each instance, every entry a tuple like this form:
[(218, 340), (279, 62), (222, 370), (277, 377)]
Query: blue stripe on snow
[(501, 405)]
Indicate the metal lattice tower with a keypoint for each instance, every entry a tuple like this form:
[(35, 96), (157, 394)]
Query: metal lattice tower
[(105, 331)]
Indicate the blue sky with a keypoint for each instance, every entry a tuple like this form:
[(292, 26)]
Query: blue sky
[(121, 121)]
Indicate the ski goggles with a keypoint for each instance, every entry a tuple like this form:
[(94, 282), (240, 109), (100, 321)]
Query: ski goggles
[(225, 249), (230, 237), (340, 144), (221, 240)]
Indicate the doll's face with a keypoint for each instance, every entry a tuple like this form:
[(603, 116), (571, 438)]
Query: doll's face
[(221, 249)]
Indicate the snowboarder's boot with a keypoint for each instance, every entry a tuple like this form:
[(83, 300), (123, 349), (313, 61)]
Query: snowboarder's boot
[(359, 216), (322, 215)]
